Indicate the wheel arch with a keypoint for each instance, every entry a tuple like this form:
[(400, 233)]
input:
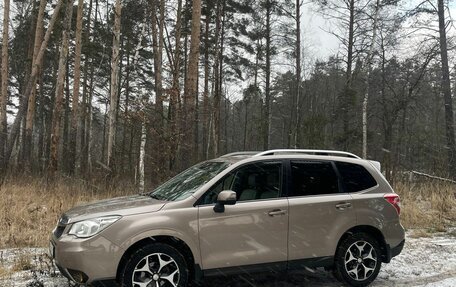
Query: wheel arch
[(372, 231)]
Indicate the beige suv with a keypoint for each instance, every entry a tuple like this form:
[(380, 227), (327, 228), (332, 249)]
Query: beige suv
[(243, 212)]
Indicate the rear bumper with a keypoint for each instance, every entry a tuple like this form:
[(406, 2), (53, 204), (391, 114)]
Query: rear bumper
[(394, 251)]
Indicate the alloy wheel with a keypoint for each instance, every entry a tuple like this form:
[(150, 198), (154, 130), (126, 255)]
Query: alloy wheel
[(360, 260), (156, 270)]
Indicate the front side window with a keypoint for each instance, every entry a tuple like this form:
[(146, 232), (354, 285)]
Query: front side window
[(186, 183), (355, 177), (313, 178), (254, 181)]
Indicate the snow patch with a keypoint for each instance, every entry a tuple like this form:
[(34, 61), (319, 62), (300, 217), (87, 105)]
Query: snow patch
[(424, 262)]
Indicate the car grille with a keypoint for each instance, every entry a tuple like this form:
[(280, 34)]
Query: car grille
[(59, 231)]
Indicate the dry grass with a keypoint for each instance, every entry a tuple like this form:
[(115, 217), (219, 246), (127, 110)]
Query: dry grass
[(30, 208), (4, 272), (22, 263), (428, 207)]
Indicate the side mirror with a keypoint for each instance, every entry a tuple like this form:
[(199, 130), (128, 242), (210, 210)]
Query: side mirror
[(226, 197)]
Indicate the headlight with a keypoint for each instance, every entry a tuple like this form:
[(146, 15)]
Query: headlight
[(90, 227)]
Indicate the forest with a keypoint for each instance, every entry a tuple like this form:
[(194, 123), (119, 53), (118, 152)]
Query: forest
[(139, 90), (109, 98)]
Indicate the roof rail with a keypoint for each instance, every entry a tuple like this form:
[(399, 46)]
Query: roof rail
[(308, 151), (240, 153)]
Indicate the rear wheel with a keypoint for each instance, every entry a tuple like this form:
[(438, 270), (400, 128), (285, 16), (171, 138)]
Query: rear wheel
[(155, 265), (358, 260)]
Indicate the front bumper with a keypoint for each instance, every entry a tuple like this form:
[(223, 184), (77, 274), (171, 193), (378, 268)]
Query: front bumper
[(86, 261)]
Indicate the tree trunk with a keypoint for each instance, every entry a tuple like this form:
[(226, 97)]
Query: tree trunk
[(142, 155), (127, 102), (66, 120), (173, 112), (220, 74), (267, 101), (114, 84), (63, 58), (76, 84), (298, 70), (86, 105), (32, 99), (347, 93), (15, 129), (191, 88), (206, 78), (158, 42), (217, 91), (367, 77), (5, 77), (446, 87)]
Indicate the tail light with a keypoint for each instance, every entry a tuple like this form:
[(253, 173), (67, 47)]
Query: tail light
[(394, 200)]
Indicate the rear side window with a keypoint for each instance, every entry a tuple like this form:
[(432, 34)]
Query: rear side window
[(355, 177), (313, 178)]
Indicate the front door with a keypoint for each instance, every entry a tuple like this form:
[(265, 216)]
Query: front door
[(254, 230)]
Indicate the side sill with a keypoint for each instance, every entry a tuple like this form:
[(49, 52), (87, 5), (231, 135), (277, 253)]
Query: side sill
[(275, 267), (326, 261)]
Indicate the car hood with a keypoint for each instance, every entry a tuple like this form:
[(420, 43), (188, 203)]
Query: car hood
[(127, 205)]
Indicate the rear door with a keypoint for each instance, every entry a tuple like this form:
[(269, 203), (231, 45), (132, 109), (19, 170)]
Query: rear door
[(319, 211)]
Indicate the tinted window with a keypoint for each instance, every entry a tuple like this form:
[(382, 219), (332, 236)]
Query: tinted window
[(355, 177), (251, 182), (312, 178)]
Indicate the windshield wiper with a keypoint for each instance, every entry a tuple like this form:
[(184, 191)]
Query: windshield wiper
[(149, 195), (154, 196)]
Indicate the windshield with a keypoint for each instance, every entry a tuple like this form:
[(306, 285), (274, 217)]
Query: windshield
[(186, 183)]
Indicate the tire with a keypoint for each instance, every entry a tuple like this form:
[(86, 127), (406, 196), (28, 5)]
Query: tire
[(358, 260), (166, 267)]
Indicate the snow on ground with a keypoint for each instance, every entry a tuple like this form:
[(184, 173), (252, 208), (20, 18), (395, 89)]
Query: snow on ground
[(424, 262)]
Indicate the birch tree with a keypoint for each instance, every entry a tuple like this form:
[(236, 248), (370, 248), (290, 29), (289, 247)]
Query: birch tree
[(142, 155)]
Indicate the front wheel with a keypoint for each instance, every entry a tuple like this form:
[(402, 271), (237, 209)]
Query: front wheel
[(155, 265), (357, 260)]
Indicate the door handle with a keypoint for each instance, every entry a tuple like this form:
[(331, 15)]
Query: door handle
[(343, 205), (276, 212)]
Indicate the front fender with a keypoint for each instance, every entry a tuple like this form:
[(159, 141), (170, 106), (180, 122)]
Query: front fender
[(179, 223)]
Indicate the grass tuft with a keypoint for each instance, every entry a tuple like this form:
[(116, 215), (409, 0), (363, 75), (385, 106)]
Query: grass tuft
[(428, 206)]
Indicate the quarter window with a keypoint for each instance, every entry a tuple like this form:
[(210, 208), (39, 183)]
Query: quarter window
[(313, 178), (355, 177)]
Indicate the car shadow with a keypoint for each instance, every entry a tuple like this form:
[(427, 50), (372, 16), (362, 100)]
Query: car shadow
[(314, 278)]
